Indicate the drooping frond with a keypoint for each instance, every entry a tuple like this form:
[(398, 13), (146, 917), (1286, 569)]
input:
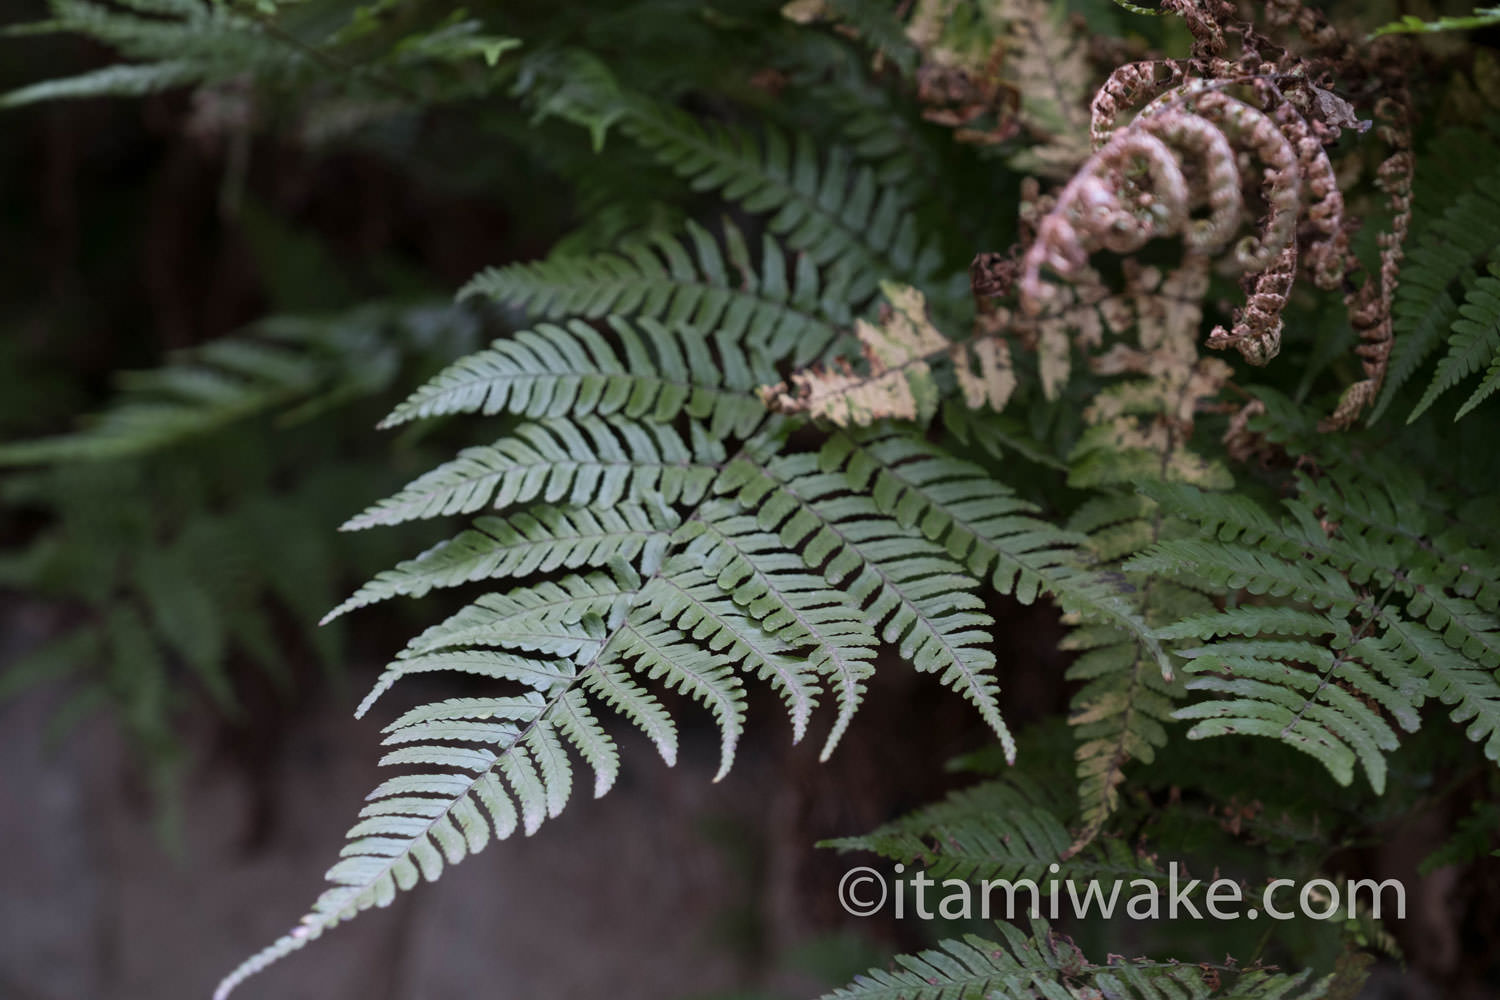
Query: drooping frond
[(767, 306), (773, 586), (697, 605), (918, 598), (1048, 964), (989, 530)]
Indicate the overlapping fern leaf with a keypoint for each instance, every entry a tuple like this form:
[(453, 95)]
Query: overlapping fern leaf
[(1343, 617), (1048, 964)]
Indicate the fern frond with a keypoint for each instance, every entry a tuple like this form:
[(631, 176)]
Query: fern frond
[(771, 584), (1452, 251), (110, 81), (1483, 17), (656, 373), (984, 526), (1009, 829), (559, 618), (697, 605), (919, 599), (590, 461), (1047, 964), (1383, 619), (664, 652), (828, 208), (278, 366), (1474, 345), (688, 283), (539, 540)]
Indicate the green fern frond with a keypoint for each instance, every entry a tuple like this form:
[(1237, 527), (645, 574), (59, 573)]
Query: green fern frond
[(1474, 345), (1009, 829), (1451, 252), (772, 585), (919, 599), (688, 283), (1483, 17), (283, 366), (590, 461), (656, 373), (1048, 964), (981, 524), (697, 605), (110, 81), (828, 208), (538, 540), (1382, 620)]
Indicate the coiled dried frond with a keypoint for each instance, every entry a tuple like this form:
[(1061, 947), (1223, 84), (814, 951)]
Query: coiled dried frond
[(1234, 136)]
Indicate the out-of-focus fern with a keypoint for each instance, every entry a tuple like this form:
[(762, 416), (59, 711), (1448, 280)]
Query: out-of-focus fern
[(182, 522), (1459, 250), (288, 367), (173, 43), (1483, 17)]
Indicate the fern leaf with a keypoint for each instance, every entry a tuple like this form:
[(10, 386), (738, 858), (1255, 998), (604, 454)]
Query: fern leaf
[(959, 506), (1450, 252), (590, 461), (554, 371), (561, 618), (663, 652), (1474, 343), (1047, 964), (698, 606), (833, 211), (110, 81), (539, 540), (1008, 829), (658, 278), (919, 599), (771, 584)]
